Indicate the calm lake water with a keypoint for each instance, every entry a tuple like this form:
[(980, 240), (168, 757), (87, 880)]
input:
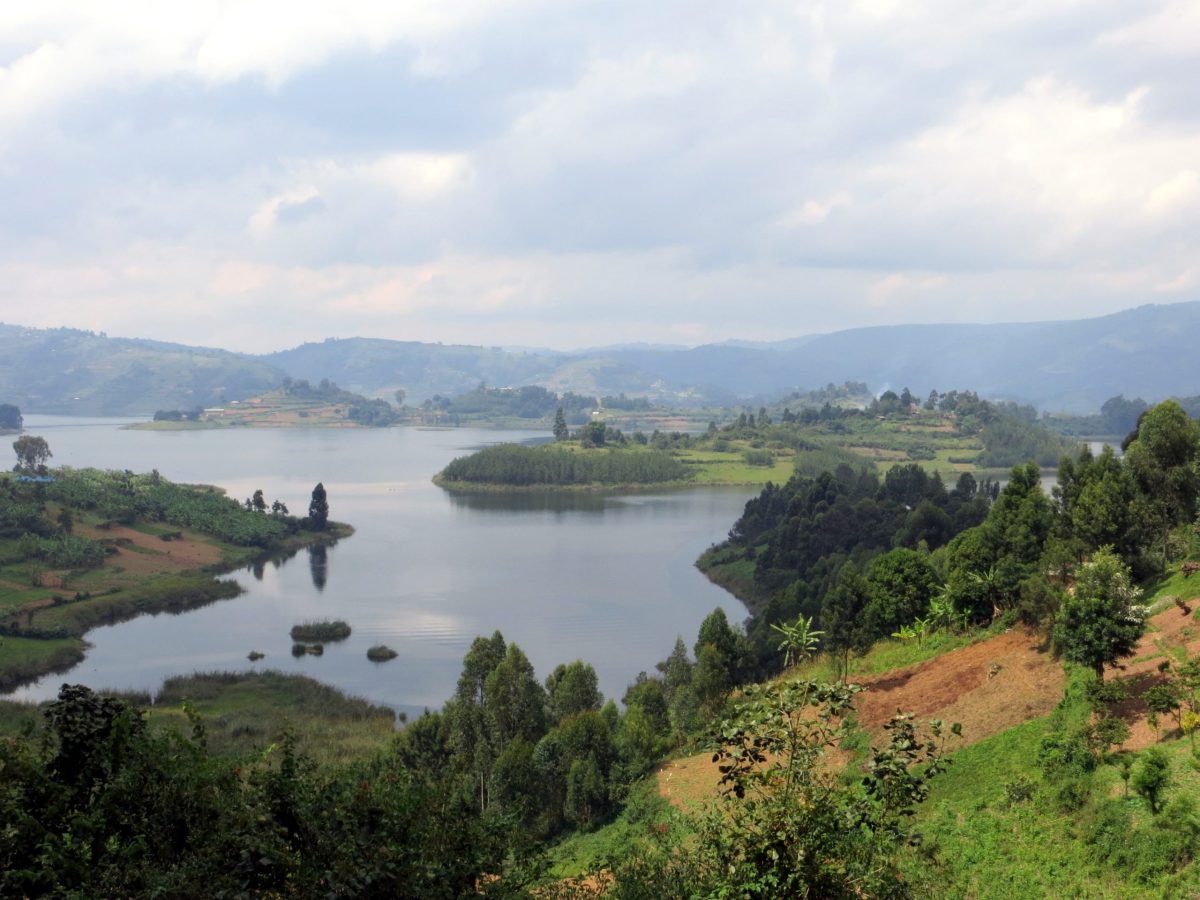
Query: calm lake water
[(606, 579)]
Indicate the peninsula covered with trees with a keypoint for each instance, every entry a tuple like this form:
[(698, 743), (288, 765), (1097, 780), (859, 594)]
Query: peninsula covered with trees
[(952, 433), (82, 547)]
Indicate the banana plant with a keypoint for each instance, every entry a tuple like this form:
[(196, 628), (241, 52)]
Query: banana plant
[(800, 640)]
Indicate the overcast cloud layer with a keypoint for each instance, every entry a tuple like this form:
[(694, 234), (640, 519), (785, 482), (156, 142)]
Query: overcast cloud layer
[(253, 175)]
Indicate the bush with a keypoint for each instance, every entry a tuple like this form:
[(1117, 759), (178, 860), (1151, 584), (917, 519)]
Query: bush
[(759, 458), (381, 653), (323, 630)]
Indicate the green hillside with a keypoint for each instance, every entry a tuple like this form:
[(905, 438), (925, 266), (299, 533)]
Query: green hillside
[(73, 372)]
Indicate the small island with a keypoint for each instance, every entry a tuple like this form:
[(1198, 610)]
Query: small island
[(321, 632)]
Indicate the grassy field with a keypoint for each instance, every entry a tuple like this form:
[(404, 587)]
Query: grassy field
[(248, 712), (713, 467)]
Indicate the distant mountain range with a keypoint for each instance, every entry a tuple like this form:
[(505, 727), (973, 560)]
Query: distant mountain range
[(1069, 366)]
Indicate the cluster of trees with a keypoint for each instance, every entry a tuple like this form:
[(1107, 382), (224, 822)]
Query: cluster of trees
[(32, 454), (106, 806), (1117, 416), (374, 413), (521, 466), (866, 559), (258, 503), (125, 497), (852, 392), (527, 402), (549, 756), (10, 417), (179, 415), (847, 534), (627, 404)]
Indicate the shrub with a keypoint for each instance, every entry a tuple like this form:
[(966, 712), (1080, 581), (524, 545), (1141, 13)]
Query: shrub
[(323, 630), (381, 653)]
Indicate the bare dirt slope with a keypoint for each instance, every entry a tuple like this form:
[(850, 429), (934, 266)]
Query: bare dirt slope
[(986, 687)]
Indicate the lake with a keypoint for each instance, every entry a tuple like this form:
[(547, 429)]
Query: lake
[(572, 576)]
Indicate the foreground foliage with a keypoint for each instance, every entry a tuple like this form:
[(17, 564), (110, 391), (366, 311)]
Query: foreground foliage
[(789, 822), (106, 807)]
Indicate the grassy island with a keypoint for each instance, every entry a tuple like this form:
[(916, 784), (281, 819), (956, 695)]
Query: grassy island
[(381, 653), (321, 632), (85, 547)]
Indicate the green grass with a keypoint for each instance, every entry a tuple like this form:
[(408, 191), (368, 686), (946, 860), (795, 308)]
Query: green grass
[(244, 712), (716, 468), (889, 654), (590, 850), (22, 659), (247, 712), (980, 844)]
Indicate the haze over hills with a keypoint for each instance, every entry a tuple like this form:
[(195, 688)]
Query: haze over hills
[(1068, 365), (67, 371)]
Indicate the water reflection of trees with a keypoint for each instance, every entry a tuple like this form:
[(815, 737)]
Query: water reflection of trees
[(318, 562), (531, 501), (318, 565)]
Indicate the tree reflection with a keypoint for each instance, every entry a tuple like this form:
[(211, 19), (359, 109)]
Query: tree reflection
[(318, 565)]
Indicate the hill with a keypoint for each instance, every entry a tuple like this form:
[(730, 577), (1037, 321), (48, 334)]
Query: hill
[(67, 371), (1068, 365), (1071, 366)]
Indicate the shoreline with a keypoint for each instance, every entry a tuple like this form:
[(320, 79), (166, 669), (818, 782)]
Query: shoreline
[(53, 639)]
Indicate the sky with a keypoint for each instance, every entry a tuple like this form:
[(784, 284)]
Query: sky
[(561, 174)]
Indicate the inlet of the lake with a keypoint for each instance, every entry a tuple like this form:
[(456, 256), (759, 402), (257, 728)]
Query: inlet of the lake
[(607, 579)]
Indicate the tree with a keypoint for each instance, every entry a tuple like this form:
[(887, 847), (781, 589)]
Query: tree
[(585, 790), (1162, 456), (900, 584), (10, 418), (1101, 622), (573, 689), (841, 617), (711, 679), (593, 434), (259, 502), (32, 453), (561, 432), (318, 508), (400, 395), (514, 700), (1152, 778), (469, 732)]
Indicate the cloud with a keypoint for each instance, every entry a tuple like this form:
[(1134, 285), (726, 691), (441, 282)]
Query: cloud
[(573, 173)]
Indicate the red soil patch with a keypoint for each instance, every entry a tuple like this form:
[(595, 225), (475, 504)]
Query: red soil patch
[(1172, 630), (156, 554), (987, 687)]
